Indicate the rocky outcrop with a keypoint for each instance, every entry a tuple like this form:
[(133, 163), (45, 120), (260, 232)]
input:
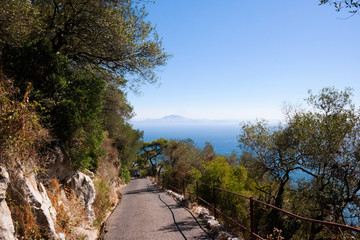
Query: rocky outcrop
[(40, 204), (58, 168), (84, 189), (28, 187), (7, 230)]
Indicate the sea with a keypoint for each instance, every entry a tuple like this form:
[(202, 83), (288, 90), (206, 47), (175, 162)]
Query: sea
[(222, 137)]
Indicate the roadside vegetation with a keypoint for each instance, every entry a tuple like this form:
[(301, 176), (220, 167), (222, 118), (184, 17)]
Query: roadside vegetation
[(308, 165), (65, 67)]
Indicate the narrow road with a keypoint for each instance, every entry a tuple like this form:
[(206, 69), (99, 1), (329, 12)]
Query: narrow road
[(146, 213)]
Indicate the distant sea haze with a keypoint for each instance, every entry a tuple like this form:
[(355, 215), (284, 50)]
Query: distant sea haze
[(221, 134)]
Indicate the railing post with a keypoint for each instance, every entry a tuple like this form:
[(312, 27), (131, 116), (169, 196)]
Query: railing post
[(197, 192), (252, 224), (214, 200)]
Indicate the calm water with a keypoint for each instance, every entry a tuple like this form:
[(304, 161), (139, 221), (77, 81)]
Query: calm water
[(223, 138)]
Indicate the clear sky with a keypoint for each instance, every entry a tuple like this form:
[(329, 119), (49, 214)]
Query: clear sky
[(242, 59)]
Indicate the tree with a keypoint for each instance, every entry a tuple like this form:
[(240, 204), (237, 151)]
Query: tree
[(111, 36), (328, 141), (353, 6), (322, 143), (208, 152), (116, 111), (274, 155), (70, 52), (153, 152), (183, 155)]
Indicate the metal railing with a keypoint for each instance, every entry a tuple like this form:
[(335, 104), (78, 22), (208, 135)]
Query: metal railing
[(182, 184)]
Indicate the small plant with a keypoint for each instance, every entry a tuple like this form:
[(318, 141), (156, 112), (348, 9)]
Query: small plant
[(125, 174), (276, 235), (102, 201)]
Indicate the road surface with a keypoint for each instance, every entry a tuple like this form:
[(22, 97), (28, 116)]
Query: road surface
[(146, 213)]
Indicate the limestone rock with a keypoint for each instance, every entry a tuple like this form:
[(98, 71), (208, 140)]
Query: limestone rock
[(214, 225), (40, 204), (58, 167), (6, 225), (84, 189)]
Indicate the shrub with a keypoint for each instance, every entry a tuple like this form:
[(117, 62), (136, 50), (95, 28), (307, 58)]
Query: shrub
[(102, 201), (125, 174), (20, 131)]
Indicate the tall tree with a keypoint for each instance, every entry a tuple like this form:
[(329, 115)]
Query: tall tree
[(72, 51), (328, 141), (154, 153), (322, 143), (112, 36)]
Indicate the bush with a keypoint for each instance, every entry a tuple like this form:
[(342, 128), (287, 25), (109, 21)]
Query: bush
[(125, 174), (219, 173), (102, 201), (20, 131)]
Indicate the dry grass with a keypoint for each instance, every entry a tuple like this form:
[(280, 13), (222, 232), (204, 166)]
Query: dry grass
[(102, 202), (106, 182), (109, 166), (276, 235), (23, 218), (70, 211), (21, 134)]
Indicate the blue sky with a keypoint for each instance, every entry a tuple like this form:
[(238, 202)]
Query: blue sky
[(242, 59)]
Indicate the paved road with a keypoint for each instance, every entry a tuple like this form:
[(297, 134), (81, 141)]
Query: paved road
[(146, 213)]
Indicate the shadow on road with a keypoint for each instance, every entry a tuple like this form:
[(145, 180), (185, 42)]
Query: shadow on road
[(186, 225)]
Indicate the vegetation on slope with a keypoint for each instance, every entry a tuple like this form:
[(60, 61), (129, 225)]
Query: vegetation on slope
[(64, 69), (308, 166)]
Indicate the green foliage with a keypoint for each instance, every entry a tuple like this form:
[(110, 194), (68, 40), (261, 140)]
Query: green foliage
[(64, 67), (145, 172), (18, 22), (153, 153), (182, 156), (322, 144), (116, 110), (71, 52), (125, 174), (111, 36), (222, 175)]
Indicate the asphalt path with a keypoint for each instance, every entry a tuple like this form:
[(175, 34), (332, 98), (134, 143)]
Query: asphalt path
[(147, 213)]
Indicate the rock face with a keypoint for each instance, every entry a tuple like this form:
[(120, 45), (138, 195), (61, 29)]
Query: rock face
[(58, 167), (84, 189), (6, 225), (40, 204)]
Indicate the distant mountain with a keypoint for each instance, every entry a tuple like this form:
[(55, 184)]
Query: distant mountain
[(171, 117), (172, 120)]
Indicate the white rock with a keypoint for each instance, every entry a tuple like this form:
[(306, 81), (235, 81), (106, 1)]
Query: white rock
[(84, 189), (87, 233), (40, 204), (7, 229), (61, 236), (223, 236), (204, 213), (214, 225), (208, 217)]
